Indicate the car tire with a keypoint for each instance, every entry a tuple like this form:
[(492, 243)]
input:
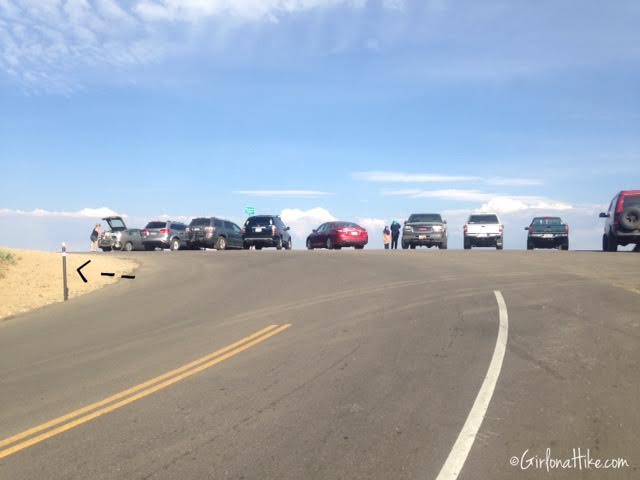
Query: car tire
[(467, 244), (149, 248), (279, 244), (359, 247), (106, 249), (309, 246), (443, 246), (609, 243), (630, 218), (288, 245), (221, 243), (405, 245), (128, 247), (329, 244), (530, 245), (258, 247), (412, 246), (174, 245), (565, 246)]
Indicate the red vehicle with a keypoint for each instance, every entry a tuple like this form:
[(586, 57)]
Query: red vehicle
[(623, 221), (335, 235)]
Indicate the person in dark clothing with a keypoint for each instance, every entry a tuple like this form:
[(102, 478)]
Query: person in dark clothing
[(395, 234)]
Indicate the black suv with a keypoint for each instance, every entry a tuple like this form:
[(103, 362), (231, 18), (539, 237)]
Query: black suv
[(623, 221), (266, 231), (212, 232)]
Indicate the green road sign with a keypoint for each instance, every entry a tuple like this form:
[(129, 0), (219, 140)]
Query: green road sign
[(250, 210)]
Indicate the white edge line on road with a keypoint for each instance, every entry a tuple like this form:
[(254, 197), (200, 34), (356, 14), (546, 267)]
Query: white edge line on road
[(458, 455)]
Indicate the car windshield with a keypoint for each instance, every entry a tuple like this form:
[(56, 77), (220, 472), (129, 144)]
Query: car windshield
[(425, 217), (345, 225), (156, 225), (547, 221), (483, 219), (253, 221), (199, 222), (632, 201)]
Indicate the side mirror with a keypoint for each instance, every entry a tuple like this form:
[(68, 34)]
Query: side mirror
[(444, 221), (405, 222), (526, 228), (314, 231), (287, 228), (604, 215)]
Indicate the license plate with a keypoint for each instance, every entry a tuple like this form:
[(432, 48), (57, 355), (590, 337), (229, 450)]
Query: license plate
[(354, 233), (153, 233), (482, 234), (258, 229), (547, 235), (422, 237)]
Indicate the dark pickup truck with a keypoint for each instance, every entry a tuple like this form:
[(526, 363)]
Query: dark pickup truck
[(547, 232), (425, 229)]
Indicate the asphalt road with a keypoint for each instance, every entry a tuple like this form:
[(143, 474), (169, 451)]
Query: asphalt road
[(368, 366)]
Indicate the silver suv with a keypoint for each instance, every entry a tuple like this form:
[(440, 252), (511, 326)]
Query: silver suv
[(119, 237), (164, 234)]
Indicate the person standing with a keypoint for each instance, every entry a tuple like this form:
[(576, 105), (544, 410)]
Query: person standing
[(95, 235), (386, 237), (395, 234)]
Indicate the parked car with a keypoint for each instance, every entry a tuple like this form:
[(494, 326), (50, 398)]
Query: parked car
[(335, 235), (547, 232), (266, 231), (119, 237), (483, 230), (425, 229), (212, 232), (623, 221), (164, 234)]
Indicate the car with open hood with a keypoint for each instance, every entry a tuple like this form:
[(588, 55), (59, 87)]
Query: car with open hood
[(119, 237)]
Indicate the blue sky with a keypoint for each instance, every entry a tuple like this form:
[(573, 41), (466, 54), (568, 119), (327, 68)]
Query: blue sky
[(361, 110)]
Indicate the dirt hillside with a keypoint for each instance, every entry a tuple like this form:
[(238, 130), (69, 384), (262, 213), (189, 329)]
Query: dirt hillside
[(31, 279)]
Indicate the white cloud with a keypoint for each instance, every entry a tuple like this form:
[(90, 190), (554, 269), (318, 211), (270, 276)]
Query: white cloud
[(284, 193), (514, 182), (400, 177), (247, 10), (492, 202), (505, 204), (302, 222), (445, 194), (84, 213), (373, 224)]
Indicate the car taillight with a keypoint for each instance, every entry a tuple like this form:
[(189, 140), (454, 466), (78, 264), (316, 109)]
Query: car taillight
[(244, 230), (209, 229), (501, 228), (464, 229), (187, 230), (273, 230), (164, 230), (145, 232), (566, 229), (620, 204)]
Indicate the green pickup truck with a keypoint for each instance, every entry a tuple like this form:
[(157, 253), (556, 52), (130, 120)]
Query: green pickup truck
[(548, 232)]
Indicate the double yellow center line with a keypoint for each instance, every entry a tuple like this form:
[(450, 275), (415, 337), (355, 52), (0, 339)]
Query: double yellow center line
[(71, 420)]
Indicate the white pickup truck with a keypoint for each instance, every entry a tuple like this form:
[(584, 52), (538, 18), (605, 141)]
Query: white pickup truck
[(483, 230)]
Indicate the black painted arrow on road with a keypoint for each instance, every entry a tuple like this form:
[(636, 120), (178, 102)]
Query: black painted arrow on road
[(80, 268)]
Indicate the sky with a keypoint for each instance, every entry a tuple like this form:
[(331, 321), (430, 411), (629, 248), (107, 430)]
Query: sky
[(316, 110)]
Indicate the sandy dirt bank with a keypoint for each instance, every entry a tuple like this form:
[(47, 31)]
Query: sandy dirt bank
[(31, 279)]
